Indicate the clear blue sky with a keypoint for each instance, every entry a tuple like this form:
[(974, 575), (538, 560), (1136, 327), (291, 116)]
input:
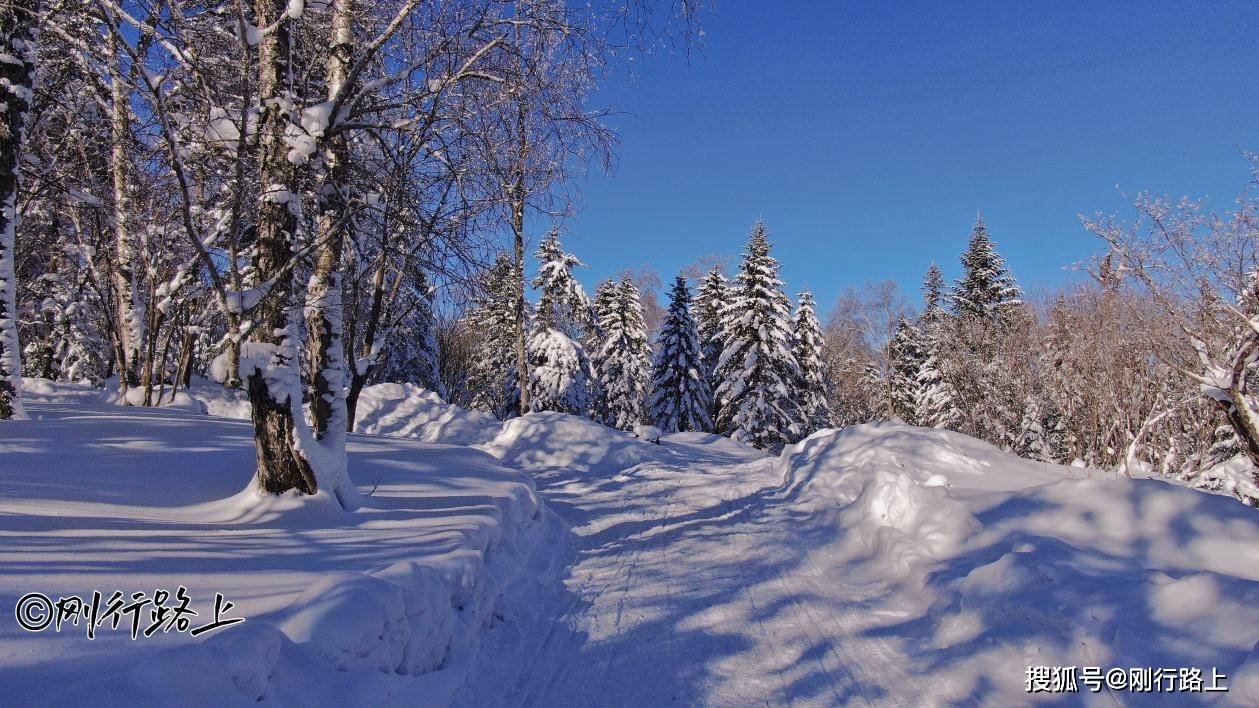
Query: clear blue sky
[(867, 134)]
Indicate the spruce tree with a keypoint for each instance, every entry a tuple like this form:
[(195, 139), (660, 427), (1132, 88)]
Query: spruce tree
[(906, 355), (492, 315), (562, 303), (807, 343), (412, 356), (986, 289), (680, 398), (757, 370), (623, 359), (987, 308), (710, 307), (936, 403), (560, 374)]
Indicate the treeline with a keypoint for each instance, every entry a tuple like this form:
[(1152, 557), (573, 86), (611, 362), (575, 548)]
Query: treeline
[(1144, 366)]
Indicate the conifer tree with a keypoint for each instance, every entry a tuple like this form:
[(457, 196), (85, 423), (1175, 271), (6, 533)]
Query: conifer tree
[(986, 289), (562, 303), (906, 354), (680, 399), (1033, 438), (987, 308), (807, 343), (936, 404), (560, 376), (494, 383), (757, 370), (623, 359), (412, 356), (710, 307)]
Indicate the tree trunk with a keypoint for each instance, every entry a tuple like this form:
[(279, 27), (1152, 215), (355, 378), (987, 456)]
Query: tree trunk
[(324, 308), (17, 32), (359, 378), (281, 467), (130, 320), (519, 197), (183, 370)]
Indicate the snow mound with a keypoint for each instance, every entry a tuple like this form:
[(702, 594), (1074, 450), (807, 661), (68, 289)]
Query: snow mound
[(408, 411), (903, 522), (553, 440), (988, 564)]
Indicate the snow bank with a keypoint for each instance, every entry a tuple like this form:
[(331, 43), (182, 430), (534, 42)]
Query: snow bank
[(380, 606), (408, 411), (985, 563), (553, 440)]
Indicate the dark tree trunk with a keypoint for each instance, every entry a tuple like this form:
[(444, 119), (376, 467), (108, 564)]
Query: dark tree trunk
[(280, 466)]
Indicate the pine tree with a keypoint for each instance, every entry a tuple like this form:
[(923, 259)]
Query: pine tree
[(986, 289), (932, 296), (710, 306), (680, 399), (494, 384), (623, 359), (807, 343), (412, 356), (757, 370), (987, 307), (1033, 438), (563, 304), (561, 377), (936, 402), (906, 355)]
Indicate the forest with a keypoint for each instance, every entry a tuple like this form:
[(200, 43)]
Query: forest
[(299, 199)]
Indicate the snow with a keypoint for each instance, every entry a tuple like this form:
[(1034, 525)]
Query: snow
[(550, 560), (406, 410), (342, 608)]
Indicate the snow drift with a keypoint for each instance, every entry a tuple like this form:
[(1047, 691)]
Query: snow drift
[(990, 563), (408, 411), (383, 605)]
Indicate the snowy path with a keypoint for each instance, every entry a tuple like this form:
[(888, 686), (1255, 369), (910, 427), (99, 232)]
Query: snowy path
[(689, 584)]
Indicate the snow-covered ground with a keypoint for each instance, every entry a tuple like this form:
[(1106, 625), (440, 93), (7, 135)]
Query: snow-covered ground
[(342, 609), (882, 564)]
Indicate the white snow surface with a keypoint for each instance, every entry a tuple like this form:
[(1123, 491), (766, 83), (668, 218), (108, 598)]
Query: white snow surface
[(551, 561), (379, 606)]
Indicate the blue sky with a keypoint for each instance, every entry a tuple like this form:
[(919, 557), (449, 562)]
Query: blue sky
[(867, 134)]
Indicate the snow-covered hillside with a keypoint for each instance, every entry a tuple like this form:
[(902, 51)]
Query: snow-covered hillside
[(550, 560)]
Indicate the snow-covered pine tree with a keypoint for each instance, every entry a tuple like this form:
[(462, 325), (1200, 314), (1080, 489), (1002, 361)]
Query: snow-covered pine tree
[(906, 356), (411, 356), (623, 359), (806, 346), (563, 303), (680, 398), (1033, 439), (757, 371), (986, 304), (710, 307), (936, 405), (492, 315), (986, 289), (560, 375), (602, 306), (604, 303)]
